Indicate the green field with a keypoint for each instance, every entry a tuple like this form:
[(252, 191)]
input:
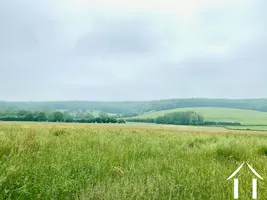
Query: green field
[(246, 117), (249, 128), (79, 161)]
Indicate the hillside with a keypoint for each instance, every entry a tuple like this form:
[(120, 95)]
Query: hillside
[(245, 117), (138, 107)]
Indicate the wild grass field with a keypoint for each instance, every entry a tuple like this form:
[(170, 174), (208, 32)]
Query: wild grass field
[(81, 161), (246, 117)]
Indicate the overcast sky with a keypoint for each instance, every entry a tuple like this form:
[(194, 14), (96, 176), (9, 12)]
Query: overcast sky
[(132, 49)]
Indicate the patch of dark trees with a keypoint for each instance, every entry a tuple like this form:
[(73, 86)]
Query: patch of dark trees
[(183, 118), (212, 123), (37, 116)]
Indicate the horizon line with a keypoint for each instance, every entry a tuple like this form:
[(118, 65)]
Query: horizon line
[(163, 99)]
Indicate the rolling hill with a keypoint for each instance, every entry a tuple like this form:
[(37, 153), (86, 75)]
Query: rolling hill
[(245, 117), (138, 106)]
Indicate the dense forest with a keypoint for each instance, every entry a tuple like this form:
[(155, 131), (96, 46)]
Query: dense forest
[(183, 118), (135, 108), (57, 116)]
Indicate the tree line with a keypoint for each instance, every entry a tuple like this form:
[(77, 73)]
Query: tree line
[(183, 118), (139, 107), (57, 116)]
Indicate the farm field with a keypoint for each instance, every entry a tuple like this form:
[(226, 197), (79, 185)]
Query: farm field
[(129, 161), (246, 117), (249, 128)]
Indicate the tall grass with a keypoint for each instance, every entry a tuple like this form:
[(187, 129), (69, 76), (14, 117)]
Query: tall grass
[(91, 162)]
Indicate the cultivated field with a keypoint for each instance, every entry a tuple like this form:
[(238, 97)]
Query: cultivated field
[(246, 117), (130, 161)]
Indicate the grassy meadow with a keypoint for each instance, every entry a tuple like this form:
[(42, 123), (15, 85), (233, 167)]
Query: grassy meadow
[(130, 161), (246, 117)]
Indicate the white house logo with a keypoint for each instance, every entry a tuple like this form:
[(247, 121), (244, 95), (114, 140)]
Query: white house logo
[(254, 181)]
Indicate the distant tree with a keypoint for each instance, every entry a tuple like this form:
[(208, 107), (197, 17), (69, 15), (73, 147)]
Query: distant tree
[(193, 119), (98, 120), (88, 115), (41, 117), (181, 118), (68, 117), (121, 121), (29, 117), (58, 117), (22, 113), (144, 120)]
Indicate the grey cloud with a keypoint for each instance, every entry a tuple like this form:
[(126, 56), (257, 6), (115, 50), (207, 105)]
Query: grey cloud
[(125, 35), (29, 26), (47, 55)]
